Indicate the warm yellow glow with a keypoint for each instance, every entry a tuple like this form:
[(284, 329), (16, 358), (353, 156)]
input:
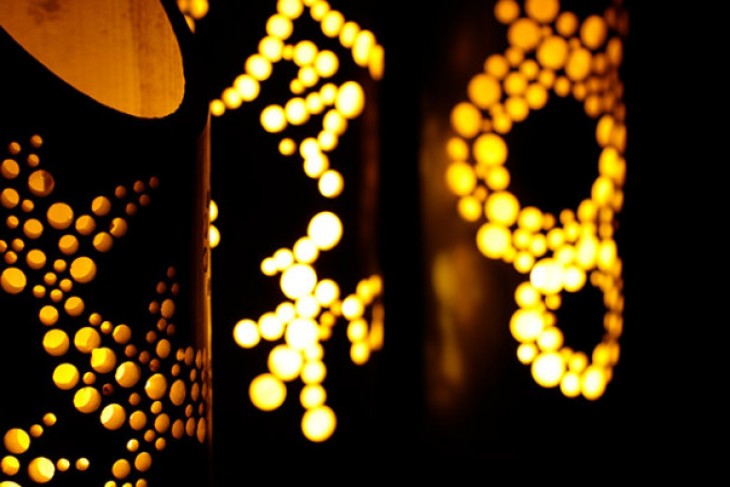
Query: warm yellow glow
[(325, 229), (271, 327), (526, 324), (9, 465), (319, 423), (548, 369), (127, 374), (13, 280), (246, 333), (307, 306), (490, 149), (279, 26), (326, 63), (65, 376), (350, 99), (109, 52), (550, 52), (113, 416), (156, 386), (285, 362), (315, 164), (267, 392), (352, 307), (301, 333), (16, 441), (103, 359), (87, 399), (593, 31), (272, 48), (86, 339), (543, 11), (298, 280), (593, 383), (258, 66), (466, 119), (331, 183), (56, 342), (313, 372), (460, 178), (502, 207), (315, 306), (361, 47), (296, 111), (484, 90), (493, 240), (312, 395), (273, 118), (41, 470)]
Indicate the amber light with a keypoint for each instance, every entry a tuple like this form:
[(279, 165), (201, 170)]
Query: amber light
[(551, 53), (313, 304)]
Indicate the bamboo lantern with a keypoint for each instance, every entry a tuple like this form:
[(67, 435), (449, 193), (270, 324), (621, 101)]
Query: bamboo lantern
[(523, 172), (105, 262)]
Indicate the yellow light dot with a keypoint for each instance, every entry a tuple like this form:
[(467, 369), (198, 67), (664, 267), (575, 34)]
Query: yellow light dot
[(484, 90), (490, 149), (494, 241), (66, 376), (103, 359), (258, 66), (87, 399), (86, 339), (352, 307), (60, 216), (13, 280), (350, 99), (246, 333), (273, 118), (547, 369), (301, 333), (16, 441), (127, 374), (156, 386), (466, 119), (285, 362), (9, 465), (56, 342), (319, 423), (267, 392), (113, 416), (41, 470), (593, 32), (121, 468)]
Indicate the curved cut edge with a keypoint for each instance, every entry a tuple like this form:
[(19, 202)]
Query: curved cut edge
[(123, 54)]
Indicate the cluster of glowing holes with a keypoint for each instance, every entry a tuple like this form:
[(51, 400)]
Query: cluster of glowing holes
[(549, 52), (305, 321), (314, 305), (165, 390)]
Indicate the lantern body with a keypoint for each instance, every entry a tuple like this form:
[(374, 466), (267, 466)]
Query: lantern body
[(523, 129), (104, 243)]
